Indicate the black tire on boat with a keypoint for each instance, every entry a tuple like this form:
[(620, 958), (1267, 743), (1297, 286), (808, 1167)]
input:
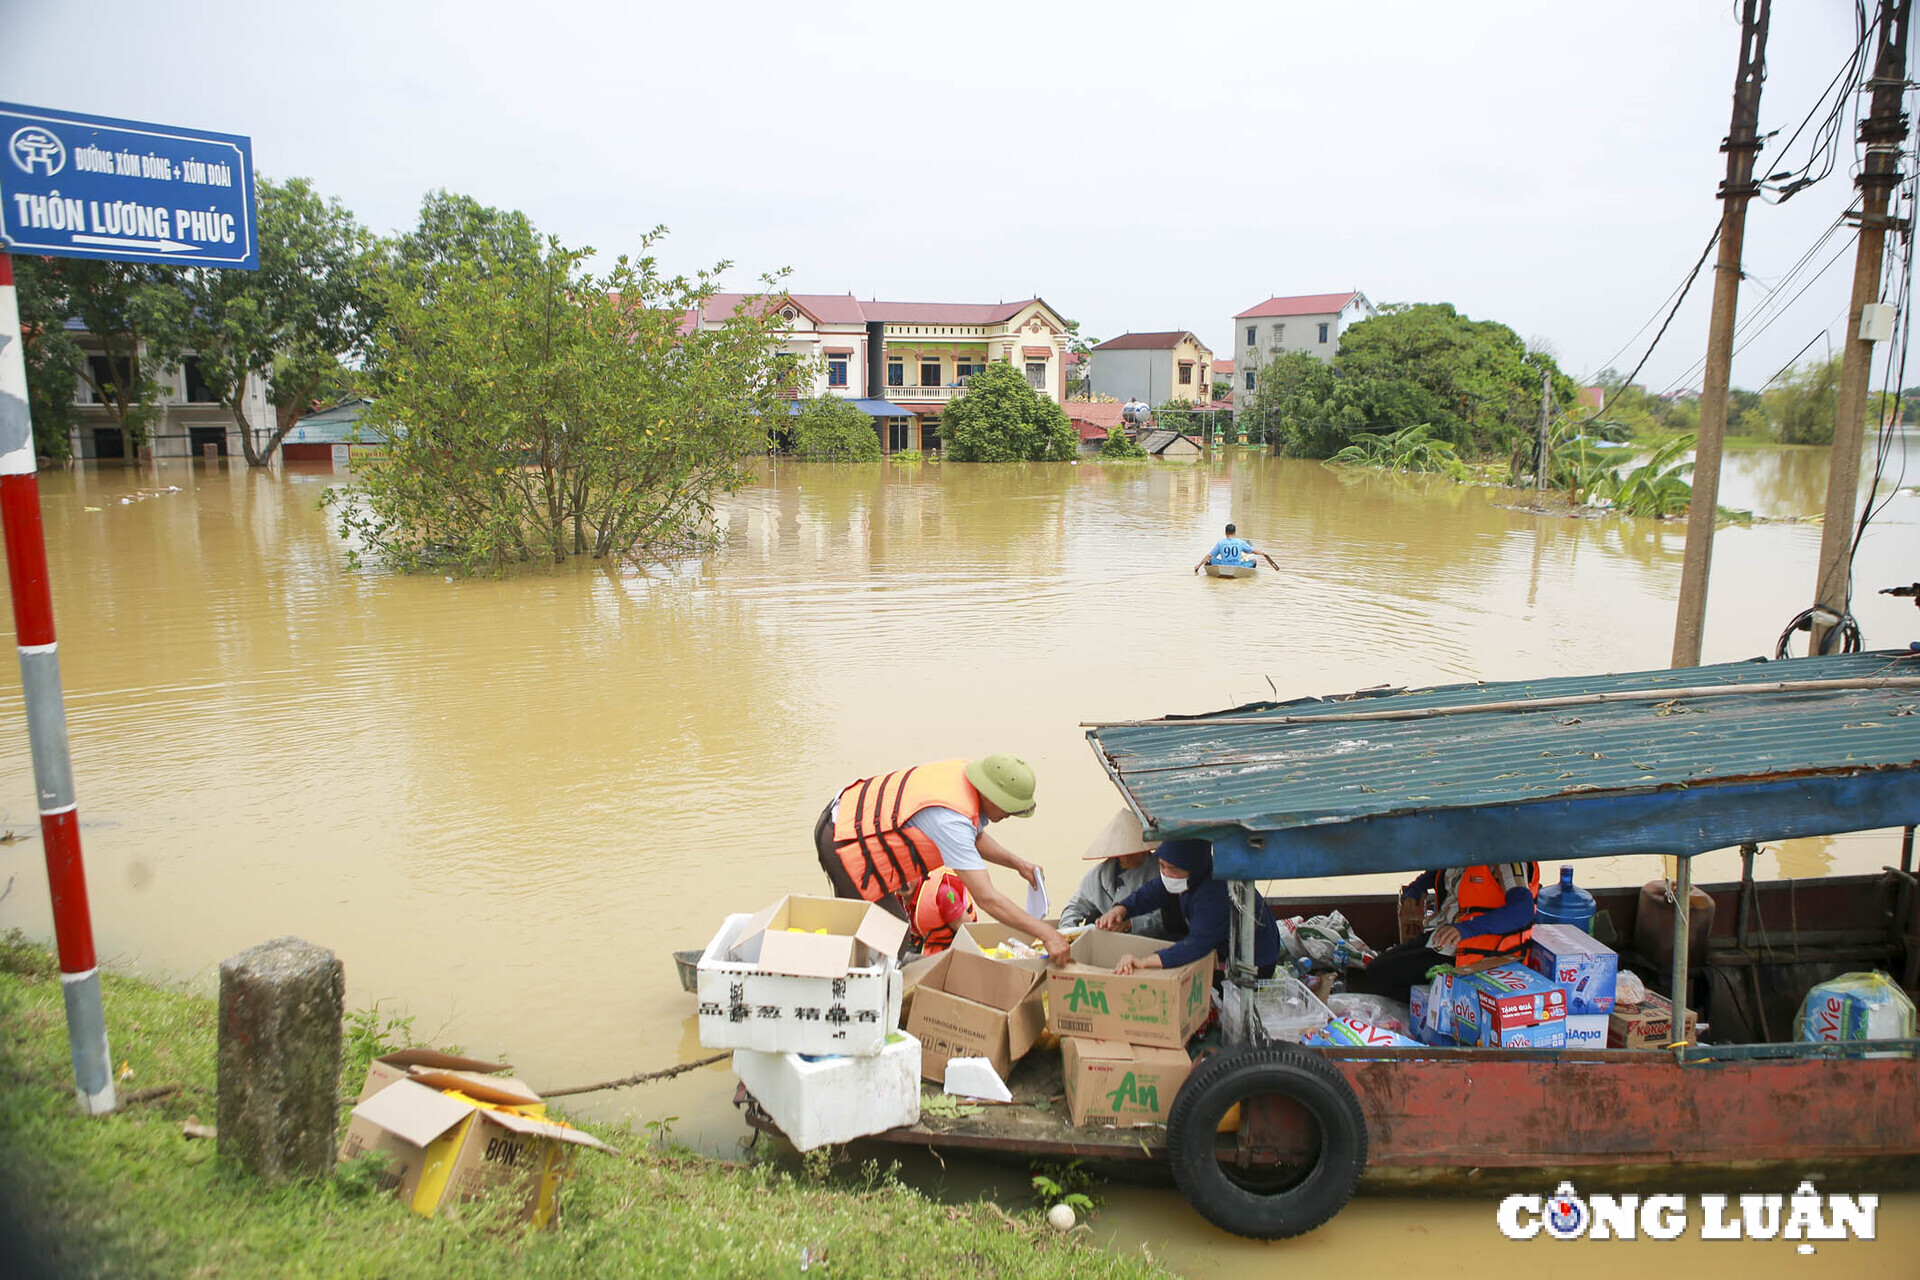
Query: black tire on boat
[(1263, 1204)]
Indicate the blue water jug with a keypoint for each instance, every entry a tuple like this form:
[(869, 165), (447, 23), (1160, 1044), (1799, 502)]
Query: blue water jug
[(1564, 904)]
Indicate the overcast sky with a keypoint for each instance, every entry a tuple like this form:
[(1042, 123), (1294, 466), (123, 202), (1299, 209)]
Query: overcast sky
[(1551, 165)]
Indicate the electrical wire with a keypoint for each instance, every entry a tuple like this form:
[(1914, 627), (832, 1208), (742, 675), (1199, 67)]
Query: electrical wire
[(1823, 147), (1685, 286)]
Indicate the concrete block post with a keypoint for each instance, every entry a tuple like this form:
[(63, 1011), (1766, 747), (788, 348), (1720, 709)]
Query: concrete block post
[(279, 1069)]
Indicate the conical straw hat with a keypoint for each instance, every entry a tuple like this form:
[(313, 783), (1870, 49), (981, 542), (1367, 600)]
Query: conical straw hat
[(1120, 836)]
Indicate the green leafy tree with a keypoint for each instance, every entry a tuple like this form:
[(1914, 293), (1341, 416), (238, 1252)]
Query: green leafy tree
[(291, 323), (1119, 445), (536, 411), (1002, 419), (1296, 405), (1800, 408), (828, 429), (136, 314), (52, 356), (1080, 371)]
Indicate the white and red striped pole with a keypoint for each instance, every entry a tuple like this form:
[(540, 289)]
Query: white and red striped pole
[(47, 717)]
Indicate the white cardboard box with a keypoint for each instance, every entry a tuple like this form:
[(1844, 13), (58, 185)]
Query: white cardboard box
[(1587, 1030), (792, 993), (835, 1099)]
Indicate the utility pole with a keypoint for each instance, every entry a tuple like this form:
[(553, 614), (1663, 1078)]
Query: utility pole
[(1884, 132), (1742, 146), (1546, 398)]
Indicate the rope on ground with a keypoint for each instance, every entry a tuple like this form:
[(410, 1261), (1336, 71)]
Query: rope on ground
[(642, 1078)]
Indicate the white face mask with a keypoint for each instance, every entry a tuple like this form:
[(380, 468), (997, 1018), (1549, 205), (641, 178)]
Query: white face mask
[(1175, 884)]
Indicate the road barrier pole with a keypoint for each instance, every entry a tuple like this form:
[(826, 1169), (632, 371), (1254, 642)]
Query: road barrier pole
[(47, 717)]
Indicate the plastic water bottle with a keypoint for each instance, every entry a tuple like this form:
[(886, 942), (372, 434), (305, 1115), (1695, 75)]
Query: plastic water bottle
[(1563, 903), (1340, 956)]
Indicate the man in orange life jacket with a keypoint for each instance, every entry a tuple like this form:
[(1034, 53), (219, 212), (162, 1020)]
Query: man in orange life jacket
[(1486, 913), (881, 838)]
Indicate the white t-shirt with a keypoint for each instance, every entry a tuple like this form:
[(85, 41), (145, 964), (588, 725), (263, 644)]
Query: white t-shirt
[(950, 832)]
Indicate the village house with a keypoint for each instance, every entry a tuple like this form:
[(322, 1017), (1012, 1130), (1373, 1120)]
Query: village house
[(1310, 322), (188, 417), (1153, 368), (903, 363)]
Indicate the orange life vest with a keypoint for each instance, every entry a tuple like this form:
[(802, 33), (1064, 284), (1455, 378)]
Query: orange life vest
[(880, 852), (1479, 892), (939, 909)]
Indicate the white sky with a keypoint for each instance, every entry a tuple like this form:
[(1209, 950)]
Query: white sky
[(1141, 166)]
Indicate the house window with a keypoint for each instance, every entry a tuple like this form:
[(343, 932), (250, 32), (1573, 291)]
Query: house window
[(1249, 379), (1323, 333), (1186, 374), (1253, 335), (963, 369), (111, 376), (1279, 334), (896, 372), (197, 390), (929, 373), (899, 434), (837, 370), (1037, 374)]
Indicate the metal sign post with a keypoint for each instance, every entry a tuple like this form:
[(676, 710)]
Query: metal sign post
[(88, 187)]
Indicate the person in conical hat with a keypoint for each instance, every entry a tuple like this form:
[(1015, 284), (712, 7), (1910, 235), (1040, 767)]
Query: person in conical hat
[(1122, 850)]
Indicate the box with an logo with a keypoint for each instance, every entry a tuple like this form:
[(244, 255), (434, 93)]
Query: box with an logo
[(806, 975), (1161, 1007), (1515, 1008), (1121, 1084), (1574, 958)]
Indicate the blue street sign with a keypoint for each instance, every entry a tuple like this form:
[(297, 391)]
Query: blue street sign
[(79, 186)]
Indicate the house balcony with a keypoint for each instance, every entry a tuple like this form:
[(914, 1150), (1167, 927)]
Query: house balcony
[(925, 394)]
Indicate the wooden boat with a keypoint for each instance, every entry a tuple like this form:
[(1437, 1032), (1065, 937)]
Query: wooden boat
[(1662, 762), (1231, 570)]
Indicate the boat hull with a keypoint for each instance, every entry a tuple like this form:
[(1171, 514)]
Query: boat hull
[(1231, 570)]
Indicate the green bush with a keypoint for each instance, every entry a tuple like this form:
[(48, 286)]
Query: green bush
[(831, 430)]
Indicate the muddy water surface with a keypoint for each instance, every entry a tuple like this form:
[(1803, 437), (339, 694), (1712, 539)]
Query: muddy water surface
[(504, 802)]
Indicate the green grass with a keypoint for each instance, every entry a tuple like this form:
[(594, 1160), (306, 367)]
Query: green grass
[(127, 1195)]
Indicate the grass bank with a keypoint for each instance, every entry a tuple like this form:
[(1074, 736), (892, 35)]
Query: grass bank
[(128, 1195)]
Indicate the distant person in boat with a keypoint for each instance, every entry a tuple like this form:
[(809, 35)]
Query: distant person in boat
[(1195, 910), (1123, 853), (1232, 550), (1486, 913), (882, 839)]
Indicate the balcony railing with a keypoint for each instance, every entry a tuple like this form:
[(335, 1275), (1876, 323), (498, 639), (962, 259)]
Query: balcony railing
[(923, 393)]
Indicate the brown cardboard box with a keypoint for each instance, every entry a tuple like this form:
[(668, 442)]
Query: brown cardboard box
[(1161, 1007), (1648, 1025), (979, 936), (1121, 1084), (967, 1006), (444, 1142)]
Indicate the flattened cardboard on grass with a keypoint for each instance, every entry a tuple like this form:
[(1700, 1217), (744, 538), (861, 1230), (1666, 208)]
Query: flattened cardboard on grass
[(766, 988), (1161, 1007), (444, 1145), (1121, 1084), (967, 1006)]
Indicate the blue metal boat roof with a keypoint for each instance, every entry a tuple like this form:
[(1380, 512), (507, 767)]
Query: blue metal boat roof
[(1667, 762)]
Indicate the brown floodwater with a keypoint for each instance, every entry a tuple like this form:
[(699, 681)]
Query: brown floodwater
[(503, 802)]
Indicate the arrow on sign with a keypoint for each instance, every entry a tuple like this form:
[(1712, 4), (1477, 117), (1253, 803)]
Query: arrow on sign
[(120, 242)]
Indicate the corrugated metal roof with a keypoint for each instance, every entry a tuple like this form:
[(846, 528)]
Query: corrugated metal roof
[(1307, 766)]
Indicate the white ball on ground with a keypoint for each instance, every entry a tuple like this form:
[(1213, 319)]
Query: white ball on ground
[(1060, 1217)]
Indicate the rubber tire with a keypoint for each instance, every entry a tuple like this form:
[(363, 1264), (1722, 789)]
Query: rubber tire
[(1234, 1074)]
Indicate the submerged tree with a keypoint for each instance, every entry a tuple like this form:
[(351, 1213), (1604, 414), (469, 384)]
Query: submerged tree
[(1119, 444), (52, 356), (536, 411), (1002, 419), (1800, 408), (828, 429), (137, 315)]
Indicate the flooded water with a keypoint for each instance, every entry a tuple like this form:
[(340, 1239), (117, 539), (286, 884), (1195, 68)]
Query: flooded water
[(504, 802)]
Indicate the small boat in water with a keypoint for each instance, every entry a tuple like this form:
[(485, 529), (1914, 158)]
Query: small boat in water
[(1231, 570)]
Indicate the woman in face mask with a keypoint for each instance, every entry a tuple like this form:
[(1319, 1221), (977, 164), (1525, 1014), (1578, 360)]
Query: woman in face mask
[(1195, 910)]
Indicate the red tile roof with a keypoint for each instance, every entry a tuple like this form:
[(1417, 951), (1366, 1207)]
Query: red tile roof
[(1146, 341), (1308, 304), (945, 312), (1223, 368), (826, 308), (1092, 420)]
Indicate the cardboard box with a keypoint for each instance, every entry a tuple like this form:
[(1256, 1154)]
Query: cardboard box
[(444, 1146), (1161, 1007), (967, 1006), (816, 1101), (763, 986), (1121, 1084), (980, 936), (1515, 1008), (1587, 1030), (1588, 968), (1648, 1025)]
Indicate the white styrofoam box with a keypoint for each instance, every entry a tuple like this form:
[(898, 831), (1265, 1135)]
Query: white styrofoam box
[(745, 1006), (1587, 1030), (835, 1099)]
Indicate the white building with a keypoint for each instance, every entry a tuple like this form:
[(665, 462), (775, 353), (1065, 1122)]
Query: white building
[(1152, 367), (188, 417), (1310, 322)]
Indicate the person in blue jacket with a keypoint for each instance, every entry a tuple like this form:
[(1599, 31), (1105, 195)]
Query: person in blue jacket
[(1195, 910), (1232, 550)]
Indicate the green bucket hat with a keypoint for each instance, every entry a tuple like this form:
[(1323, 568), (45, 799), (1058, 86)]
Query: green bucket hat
[(1007, 780)]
